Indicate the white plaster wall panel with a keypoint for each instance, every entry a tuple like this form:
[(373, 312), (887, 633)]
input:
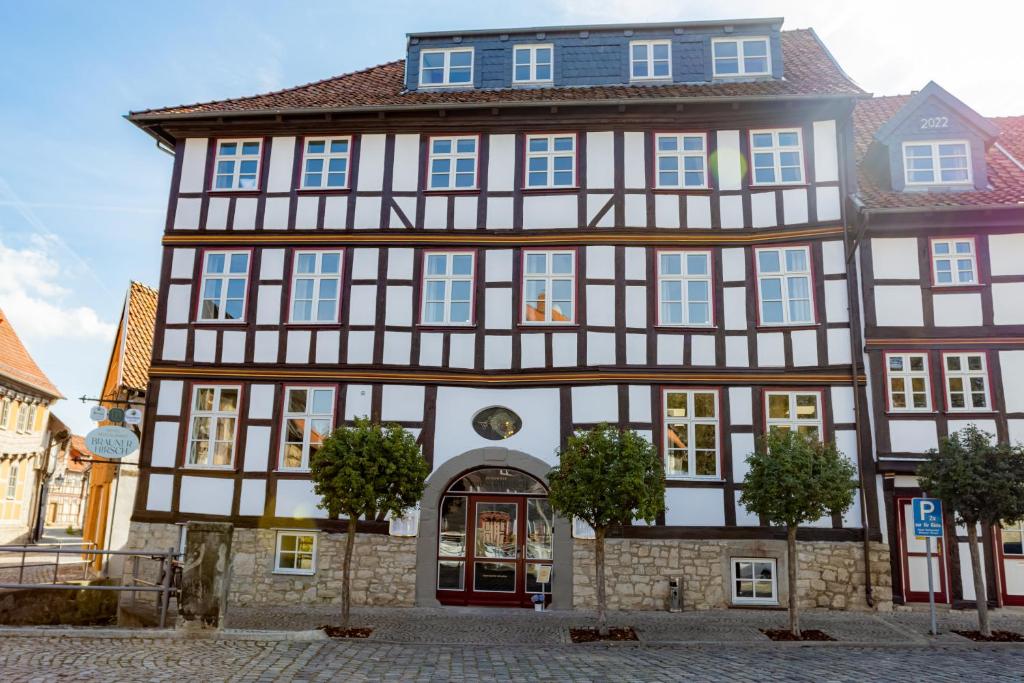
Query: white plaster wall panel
[(635, 171), (550, 211), (1012, 365), (895, 258), (499, 213), (364, 264), (636, 306), (362, 309), (981, 425), (966, 571), (636, 349), (462, 350), (833, 257), (497, 352), (1015, 429), (431, 349), (636, 263), (670, 349), (165, 444), (254, 494), (538, 408), (734, 302), (601, 262), (174, 344), (182, 263), (360, 346), (912, 436), (206, 495), (358, 398), (531, 351), (275, 213), (498, 265), (406, 169), (217, 213), (698, 211), (296, 499), (957, 310), (741, 405), (666, 211), (335, 213), (805, 347), (186, 213), (762, 210), (734, 264), (498, 308), (178, 300), (245, 213), (371, 162), (595, 404), (852, 516), (297, 346), (842, 405), (161, 488), (265, 346), (794, 206), (401, 403), (600, 348), (639, 403), (737, 352), (368, 213), (744, 517), (1006, 254), (261, 401), (465, 213), (898, 306), (828, 204), (232, 346), (168, 401), (397, 348), (600, 160), (305, 212), (742, 446), (408, 207), (601, 312), (846, 443), (702, 349), (282, 157), (1008, 303), (838, 346), (501, 163), (826, 152), (730, 162), (268, 305), (563, 349), (694, 507), (272, 264), (193, 165), (730, 211), (328, 343), (837, 308), (596, 202), (636, 211), (770, 350), (257, 448), (398, 308)]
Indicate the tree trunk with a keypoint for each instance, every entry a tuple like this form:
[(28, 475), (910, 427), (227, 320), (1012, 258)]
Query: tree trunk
[(346, 593), (602, 617), (980, 595), (794, 599)]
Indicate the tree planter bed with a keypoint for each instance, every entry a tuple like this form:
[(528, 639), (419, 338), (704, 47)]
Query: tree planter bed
[(997, 636), (783, 634), (591, 635), (353, 632)]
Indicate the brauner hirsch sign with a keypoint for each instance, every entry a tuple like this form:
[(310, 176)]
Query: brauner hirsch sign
[(112, 442)]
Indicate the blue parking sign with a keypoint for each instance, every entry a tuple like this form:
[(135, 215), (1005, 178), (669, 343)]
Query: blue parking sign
[(927, 516)]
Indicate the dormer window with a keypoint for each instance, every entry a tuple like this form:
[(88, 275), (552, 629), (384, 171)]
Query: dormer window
[(740, 57), (945, 162), (650, 60), (533, 64), (452, 67)]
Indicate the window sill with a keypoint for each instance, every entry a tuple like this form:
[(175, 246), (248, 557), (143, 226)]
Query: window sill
[(909, 413), (971, 287), (787, 326), (683, 190), (757, 605), (282, 572), (323, 190), (441, 327), (302, 323), (778, 186), (244, 193), (443, 192), (709, 480), (209, 468), (651, 80), (666, 326), (551, 190), (218, 322), (560, 326), (970, 413), (293, 470)]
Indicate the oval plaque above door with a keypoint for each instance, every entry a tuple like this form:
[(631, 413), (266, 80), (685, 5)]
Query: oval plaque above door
[(497, 423)]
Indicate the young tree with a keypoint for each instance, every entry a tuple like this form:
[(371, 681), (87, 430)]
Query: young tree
[(363, 471), (979, 483), (793, 479), (607, 476)]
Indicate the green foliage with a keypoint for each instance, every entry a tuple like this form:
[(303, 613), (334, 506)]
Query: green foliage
[(976, 480), (608, 476), (368, 470), (793, 478)]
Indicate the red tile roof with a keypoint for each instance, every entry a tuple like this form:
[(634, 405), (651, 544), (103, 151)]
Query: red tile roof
[(138, 345), (78, 451), (1005, 173), (809, 70), (16, 364)]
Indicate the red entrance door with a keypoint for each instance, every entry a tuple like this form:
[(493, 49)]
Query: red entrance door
[(914, 559)]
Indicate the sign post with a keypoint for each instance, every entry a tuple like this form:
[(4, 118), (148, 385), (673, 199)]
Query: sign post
[(928, 523)]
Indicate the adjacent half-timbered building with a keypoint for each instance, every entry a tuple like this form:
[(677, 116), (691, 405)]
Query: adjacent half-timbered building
[(940, 219), (507, 236)]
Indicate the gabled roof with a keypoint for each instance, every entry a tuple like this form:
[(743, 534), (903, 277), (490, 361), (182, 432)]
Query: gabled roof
[(810, 71), (137, 322), (16, 364), (934, 90)]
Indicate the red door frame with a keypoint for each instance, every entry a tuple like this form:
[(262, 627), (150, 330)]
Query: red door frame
[(941, 593), (1007, 599)]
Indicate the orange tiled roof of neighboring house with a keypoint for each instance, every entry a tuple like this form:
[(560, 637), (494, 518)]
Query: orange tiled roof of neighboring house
[(138, 343), (78, 450), (16, 364)]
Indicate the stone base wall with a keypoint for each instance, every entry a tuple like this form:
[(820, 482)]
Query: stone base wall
[(637, 572)]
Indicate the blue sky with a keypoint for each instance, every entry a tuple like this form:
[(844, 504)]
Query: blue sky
[(83, 193)]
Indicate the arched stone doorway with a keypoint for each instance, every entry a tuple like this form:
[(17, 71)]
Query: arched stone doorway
[(452, 472)]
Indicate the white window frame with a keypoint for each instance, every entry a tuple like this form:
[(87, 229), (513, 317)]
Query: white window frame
[(966, 376), (548, 277), (907, 375), (1012, 527), (453, 157), (237, 158), (776, 150), (448, 278), (685, 278), (533, 63), (224, 278), (774, 581), (215, 416), (785, 275), (318, 277), (680, 154), (691, 421), (327, 156), (447, 68), (953, 257), (550, 155), (793, 422), (649, 60), (307, 416), (741, 56), (278, 569), (12, 480), (936, 168), (5, 412), (21, 422)]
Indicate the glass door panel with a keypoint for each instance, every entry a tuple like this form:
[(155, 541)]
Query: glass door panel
[(539, 538), (496, 532), (451, 544)]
